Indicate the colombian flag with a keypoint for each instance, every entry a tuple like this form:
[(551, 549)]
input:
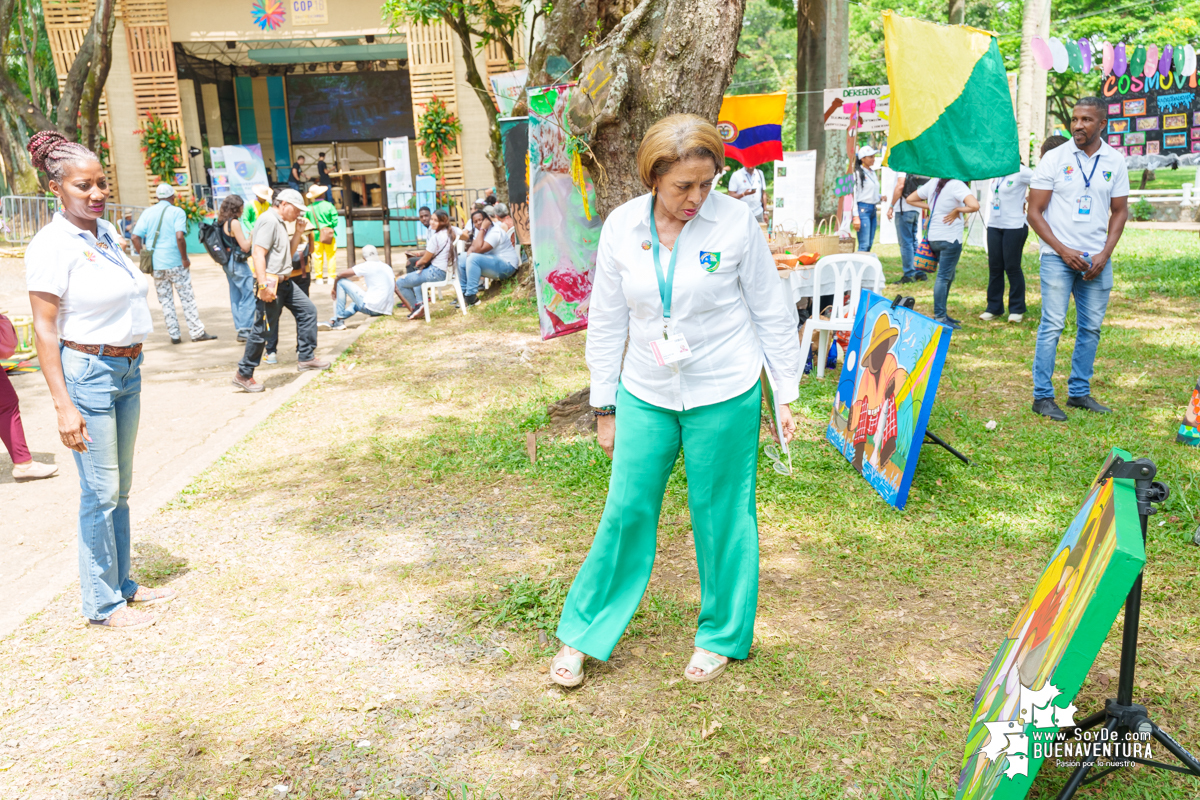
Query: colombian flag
[(951, 115), (751, 125)]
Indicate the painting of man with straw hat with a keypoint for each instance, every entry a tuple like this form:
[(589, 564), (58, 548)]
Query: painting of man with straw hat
[(873, 415)]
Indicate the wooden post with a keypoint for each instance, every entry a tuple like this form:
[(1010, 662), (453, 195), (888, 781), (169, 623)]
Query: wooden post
[(348, 201), (387, 222)]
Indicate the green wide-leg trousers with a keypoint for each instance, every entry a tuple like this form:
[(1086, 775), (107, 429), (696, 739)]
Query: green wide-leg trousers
[(720, 452)]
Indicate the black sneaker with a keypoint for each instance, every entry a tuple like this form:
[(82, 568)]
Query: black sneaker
[(1088, 403), (908, 279), (922, 276), (953, 324), (175, 340), (1048, 408), (471, 299)]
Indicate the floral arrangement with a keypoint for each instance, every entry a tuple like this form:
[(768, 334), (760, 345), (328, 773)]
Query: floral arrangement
[(195, 212), (438, 134), (161, 146)]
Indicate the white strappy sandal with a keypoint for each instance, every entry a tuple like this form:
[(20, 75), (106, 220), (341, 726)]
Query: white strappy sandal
[(712, 665), (572, 664)]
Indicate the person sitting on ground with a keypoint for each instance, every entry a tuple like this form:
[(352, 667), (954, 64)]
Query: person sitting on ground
[(491, 255), (413, 256), (376, 301), (433, 264), (12, 433)]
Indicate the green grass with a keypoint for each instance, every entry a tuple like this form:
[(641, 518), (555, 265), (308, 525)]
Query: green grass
[(1165, 178)]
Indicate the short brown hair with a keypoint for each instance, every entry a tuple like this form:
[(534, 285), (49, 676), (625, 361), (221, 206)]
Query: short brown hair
[(676, 138)]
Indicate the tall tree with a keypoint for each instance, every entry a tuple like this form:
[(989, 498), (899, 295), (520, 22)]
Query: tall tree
[(475, 23), (636, 64), (78, 106), (956, 12), (1027, 75)]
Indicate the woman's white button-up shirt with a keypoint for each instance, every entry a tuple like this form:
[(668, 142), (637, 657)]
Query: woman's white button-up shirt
[(102, 295), (728, 303)]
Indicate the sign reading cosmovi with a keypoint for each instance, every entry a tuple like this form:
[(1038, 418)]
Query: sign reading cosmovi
[(310, 12), (870, 103)]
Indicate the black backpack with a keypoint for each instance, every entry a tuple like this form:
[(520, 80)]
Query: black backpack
[(214, 242)]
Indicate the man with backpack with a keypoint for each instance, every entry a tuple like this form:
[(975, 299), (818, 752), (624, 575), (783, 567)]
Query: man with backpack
[(162, 229)]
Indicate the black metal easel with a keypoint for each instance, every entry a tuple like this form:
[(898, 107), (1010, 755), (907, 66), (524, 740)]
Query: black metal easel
[(1121, 715)]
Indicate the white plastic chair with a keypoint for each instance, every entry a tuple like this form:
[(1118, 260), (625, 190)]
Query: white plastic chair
[(852, 272), (432, 290)]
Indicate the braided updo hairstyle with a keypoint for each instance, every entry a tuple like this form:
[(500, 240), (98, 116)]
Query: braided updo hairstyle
[(52, 152)]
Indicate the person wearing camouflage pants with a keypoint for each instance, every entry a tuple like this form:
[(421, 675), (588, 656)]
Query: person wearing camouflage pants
[(180, 278)]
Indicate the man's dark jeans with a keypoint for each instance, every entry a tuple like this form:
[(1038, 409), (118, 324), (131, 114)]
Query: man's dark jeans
[(266, 319)]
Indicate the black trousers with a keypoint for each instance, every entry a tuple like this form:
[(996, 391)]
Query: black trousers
[(1004, 258), (266, 323), (302, 283)]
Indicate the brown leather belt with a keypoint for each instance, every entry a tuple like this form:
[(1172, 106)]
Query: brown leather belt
[(105, 349)]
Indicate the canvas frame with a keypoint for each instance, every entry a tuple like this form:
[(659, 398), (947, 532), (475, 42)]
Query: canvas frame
[(1076, 654)]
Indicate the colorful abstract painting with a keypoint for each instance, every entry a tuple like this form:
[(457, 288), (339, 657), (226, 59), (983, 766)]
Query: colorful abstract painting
[(268, 15), (1189, 429), (563, 227), (885, 393), (1027, 694)]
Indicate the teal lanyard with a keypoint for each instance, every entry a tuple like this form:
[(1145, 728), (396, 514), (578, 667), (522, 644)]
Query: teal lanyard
[(666, 283)]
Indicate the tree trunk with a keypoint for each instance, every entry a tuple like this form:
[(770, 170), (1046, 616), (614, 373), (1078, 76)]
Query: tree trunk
[(956, 11), (1037, 117), (475, 81), (663, 57), (810, 78), (837, 74), (93, 89), (1031, 80), (29, 41)]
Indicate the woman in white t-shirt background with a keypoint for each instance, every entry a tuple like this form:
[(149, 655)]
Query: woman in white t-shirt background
[(431, 267), (866, 198), (1006, 235), (90, 318), (491, 255), (948, 201)]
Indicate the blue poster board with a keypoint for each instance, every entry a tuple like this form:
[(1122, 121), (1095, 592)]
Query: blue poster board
[(885, 393)]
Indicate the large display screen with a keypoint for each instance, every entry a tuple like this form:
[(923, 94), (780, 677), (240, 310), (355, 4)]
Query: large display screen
[(354, 107)]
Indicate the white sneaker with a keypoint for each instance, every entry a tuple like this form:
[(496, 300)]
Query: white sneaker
[(33, 471), (1016, 317), (987, 316), (324, 326), (337, 325), (270, 359)]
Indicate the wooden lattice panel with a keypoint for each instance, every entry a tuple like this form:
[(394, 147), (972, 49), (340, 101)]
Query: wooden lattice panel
[(431, 72), (152, 69), (144, 12)]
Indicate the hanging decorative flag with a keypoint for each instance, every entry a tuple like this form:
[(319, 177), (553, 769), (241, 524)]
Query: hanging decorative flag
[(1085, 47), (951, 111), (1074, 56), (1120, 64), (1189, 60), (751, 125), (1137, 61), (1164, 63), (1151, 65), (1059, 51), (1041, 53), (1107, 59)]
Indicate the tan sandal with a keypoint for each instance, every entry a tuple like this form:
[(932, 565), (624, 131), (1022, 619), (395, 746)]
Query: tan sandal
[(572, 664), (145, 596), (123, 620), (709, 663)]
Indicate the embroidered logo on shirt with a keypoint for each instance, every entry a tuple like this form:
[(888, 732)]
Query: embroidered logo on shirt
[(1107, 176), (90, 255), (1010, 183), (645, 244), (710, 261), (1068, 170)]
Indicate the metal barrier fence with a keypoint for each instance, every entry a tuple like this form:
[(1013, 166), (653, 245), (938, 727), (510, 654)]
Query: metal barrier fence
[(22, 216)]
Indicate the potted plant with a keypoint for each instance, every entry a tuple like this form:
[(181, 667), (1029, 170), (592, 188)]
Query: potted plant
[(438, 135), (161, 147)]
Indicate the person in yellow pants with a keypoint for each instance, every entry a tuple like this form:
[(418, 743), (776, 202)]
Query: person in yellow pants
[(323, 214)]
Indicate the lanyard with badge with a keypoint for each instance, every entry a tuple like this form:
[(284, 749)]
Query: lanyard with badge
[(673, 346), (109, 250), (996, 194), (1083, 206)]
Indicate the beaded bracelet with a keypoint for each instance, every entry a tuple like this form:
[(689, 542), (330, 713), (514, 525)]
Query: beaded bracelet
[(604, 411)]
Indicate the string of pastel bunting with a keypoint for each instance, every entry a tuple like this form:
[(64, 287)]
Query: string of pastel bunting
[(1171, 62)]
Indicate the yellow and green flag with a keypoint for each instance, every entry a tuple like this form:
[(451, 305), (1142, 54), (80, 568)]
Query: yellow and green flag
[(951, 112)]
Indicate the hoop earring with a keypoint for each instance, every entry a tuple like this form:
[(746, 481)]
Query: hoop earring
[(654, 191)]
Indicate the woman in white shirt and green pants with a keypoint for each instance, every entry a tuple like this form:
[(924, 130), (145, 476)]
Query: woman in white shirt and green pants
[(684, 274)]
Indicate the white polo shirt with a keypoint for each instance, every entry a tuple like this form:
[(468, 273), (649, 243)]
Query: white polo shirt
[(741, 180), (501, 243), (1008, 199), (102, 295), (730, 309), (1063, 171), (949, 198), (866, 187)]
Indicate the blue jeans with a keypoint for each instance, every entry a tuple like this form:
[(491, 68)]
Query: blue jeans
[(868, 219), (1059, 282), (350, 301), (408, 284), (907, 223), (241, 295), (480, 265), (948, 253), (107, 392)]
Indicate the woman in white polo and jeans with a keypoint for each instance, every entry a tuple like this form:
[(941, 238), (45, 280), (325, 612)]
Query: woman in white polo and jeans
[(90, 318), (948, 202)]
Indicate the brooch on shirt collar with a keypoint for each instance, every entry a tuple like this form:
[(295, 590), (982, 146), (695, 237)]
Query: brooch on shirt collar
[(646, 244), (710, 261)]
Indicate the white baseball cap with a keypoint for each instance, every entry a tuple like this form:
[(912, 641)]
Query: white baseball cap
[(867, 150), (164, 190), (292, 197)]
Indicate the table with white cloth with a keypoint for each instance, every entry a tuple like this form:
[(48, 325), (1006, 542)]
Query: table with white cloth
[(798, 284)]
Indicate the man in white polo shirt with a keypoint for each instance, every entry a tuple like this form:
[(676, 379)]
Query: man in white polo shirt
[(748, 184), (1078, 206)]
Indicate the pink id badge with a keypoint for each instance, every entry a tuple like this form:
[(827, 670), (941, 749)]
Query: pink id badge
[(668, 351)]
